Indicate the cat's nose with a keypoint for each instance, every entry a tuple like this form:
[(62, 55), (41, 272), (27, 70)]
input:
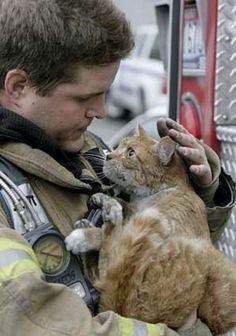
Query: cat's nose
[(108, 157)]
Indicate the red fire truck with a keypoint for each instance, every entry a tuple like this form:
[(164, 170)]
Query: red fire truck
[(200, 58)]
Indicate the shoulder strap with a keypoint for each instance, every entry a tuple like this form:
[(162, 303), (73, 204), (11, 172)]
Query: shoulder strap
[(20, 180), (16, 175)]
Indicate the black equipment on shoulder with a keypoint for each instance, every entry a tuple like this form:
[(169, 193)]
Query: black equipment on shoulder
[(27, 217)]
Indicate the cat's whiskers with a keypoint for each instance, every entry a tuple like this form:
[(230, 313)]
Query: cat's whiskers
[(142, 192), (100, 157), (101, 175), (98, 165), (162, 249)]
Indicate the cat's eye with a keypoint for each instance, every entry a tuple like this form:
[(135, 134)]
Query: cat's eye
[(130, 152)]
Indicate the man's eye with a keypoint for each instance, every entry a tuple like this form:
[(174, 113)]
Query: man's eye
[(81, 99), (131, 152)]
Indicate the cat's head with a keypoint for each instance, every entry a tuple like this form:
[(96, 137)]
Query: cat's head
[(141, 164)]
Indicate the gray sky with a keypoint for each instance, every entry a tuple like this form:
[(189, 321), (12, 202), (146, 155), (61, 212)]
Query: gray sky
[(138, 11)]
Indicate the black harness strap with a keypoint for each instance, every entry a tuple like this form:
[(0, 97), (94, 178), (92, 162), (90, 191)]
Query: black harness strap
[(15, 175)]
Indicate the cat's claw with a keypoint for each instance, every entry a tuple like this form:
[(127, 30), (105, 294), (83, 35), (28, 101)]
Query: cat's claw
[(97, 200), (112, 212), (76, 242), (111, 208), (83, 223)]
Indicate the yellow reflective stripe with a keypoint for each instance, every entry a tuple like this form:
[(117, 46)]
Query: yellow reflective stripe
[(16, 259), (127, 328), (131, 327), (153, 330), (18, 268), (8, 244)]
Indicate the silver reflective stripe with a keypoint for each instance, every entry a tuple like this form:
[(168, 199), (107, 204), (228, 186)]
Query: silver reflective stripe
[(140, 328), (130, 327), (9, 256), (27, 190)]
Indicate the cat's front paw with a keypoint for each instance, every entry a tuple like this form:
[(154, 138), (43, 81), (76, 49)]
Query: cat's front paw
[(98, 199), (83, 223), (112, 212), (111, 208), (76, 242)]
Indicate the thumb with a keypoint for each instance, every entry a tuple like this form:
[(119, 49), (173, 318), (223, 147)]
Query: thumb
[(162, 127), (189, 322)]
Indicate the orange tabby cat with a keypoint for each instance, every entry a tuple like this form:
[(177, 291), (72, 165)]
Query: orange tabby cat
[(158, 264)]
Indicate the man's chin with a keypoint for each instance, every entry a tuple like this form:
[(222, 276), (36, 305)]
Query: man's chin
[(73, 146)]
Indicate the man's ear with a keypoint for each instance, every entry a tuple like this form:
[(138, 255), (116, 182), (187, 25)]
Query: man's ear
[(166, 149), (15, 82)]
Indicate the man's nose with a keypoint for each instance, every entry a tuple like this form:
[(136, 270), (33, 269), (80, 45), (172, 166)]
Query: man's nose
[(97, 110), (98, 113)]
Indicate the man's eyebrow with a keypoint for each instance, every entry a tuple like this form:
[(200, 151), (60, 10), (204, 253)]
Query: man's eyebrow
[(92, 94)]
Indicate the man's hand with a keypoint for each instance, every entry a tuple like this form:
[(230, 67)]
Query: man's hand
[(190, 321), (189, 148)]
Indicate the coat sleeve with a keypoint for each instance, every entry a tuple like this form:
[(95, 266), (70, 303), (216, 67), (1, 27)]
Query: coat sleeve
[(222, 206), (219, 196), (31, 306)]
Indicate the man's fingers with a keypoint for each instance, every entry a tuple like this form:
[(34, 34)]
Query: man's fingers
[(175, 125), (189, 148), (199, 170), (162, 127), (184, 139), (189, 322), (192, 154), (202, 173)]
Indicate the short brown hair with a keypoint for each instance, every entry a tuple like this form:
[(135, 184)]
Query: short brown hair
[(47, 37)]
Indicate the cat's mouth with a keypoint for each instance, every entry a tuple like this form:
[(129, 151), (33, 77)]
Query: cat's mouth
[(115, 177), (121, 178)]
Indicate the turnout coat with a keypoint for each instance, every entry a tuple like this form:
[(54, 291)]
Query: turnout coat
[(31, 306)]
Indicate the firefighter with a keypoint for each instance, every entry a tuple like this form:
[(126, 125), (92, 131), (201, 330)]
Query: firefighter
[(57, 60)]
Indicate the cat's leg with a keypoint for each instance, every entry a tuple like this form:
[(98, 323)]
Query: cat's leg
[(85, 238), (113, 220), (99, 199), (111, 208), (83, 224), (218, 308)]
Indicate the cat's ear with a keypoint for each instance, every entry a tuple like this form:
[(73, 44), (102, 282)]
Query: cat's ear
[(141, 131), (166, 149)]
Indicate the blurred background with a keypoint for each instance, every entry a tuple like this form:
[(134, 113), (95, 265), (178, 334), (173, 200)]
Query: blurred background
[(140, 84), (202, 76), (138, 11)]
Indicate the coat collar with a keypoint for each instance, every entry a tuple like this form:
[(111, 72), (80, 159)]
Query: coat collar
[(40, 164)]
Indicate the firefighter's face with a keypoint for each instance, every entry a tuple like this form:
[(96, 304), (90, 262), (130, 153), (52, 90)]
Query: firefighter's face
[(66, 113)]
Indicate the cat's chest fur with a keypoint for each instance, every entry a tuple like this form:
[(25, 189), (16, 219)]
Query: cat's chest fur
[(176, 211), (158, 265)]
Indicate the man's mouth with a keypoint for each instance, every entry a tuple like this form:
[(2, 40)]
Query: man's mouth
[(76, 134)]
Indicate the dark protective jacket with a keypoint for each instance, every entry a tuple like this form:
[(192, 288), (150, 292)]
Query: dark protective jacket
[(31, 306)]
